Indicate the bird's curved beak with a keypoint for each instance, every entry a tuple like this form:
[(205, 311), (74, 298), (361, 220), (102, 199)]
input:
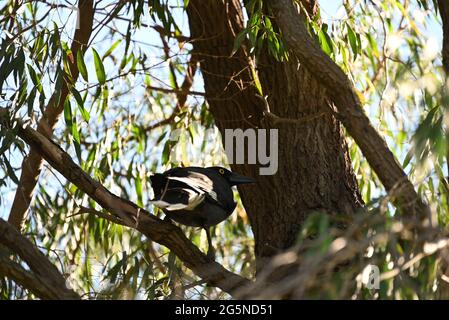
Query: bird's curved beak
[(237, 179)]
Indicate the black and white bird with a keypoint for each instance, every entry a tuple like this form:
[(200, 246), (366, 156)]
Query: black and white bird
[(196, 196)]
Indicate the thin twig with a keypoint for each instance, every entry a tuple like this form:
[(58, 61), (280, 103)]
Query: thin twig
[(276, 119)]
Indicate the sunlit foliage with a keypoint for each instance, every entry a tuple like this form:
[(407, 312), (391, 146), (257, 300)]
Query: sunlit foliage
[(115, 124)]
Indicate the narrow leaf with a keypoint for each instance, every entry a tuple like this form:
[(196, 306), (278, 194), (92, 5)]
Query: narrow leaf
[(68, 113), (84, 113), (99, 68), (109, 51), (81, 65), (352, 40), (35, 78), (76, 140)]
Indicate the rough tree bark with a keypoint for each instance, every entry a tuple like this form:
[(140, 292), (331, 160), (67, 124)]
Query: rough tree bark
[(349, 109), (443, 6), (43, 278), (314, 171)]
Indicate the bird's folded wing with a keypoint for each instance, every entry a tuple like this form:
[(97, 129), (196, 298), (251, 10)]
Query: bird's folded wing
[(198, 182), (183, 190), (179, 199)]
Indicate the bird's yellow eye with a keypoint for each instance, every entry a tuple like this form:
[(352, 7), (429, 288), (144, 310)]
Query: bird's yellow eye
[(221, 171)]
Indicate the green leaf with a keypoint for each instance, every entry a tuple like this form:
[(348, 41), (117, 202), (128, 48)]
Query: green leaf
[(373, 45), (81, 65), (352, 40), (7, 138), (19, 62), (10, 170), (35, 78), (407, 158), (99, 68), (55, 41), (238, 41), (172, 80), (84, 113), (127, 42), (58, 84), (192, 133), (166, 152), (147, 80), (139, 190), (22, 93), (109, 51), (68, 113), (38, 44), (30, 101), (105, 98), (325, 42), (76, 140), (161, 137), (5, 68), (70, 120)]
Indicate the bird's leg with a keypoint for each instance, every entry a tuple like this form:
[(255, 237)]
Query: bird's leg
[(210, 249)]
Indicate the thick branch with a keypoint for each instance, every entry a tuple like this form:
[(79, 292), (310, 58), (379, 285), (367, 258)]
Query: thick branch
[(44, 280), (443, 6), (350, 112), (155, 229), (31, 165), (26, 279)]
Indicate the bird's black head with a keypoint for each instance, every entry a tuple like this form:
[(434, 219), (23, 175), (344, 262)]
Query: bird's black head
[(232, 177)]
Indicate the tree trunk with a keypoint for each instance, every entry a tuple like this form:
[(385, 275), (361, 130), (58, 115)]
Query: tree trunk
[(314, 172)]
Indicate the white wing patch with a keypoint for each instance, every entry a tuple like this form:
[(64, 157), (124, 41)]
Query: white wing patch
[(196, 181), (193, 201), (160, 204), (199, 185), (213, 195)]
